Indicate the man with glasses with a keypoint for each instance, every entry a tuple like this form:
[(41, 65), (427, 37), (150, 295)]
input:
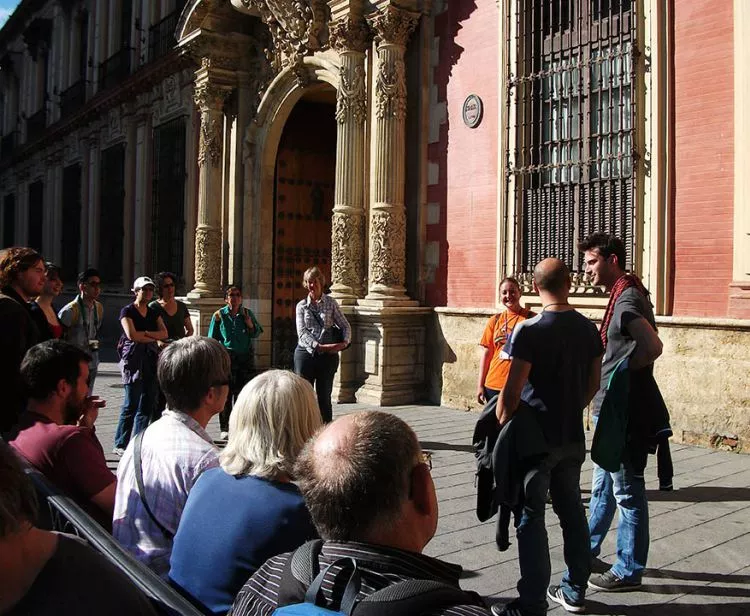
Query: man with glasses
[(82, 319), (163, 462)]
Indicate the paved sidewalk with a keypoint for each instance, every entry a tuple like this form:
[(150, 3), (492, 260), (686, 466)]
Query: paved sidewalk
[(699, 562)]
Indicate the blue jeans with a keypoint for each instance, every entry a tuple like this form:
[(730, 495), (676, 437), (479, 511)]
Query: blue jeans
[(624, 491), (137, 409), (560, 474)]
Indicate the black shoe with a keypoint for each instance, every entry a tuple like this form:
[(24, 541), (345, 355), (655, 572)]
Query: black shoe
[(509, 609), (598, 565), (556, 594), (609, 582), (666, 487)]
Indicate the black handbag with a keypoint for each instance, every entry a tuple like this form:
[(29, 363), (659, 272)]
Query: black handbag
[(330, 335)]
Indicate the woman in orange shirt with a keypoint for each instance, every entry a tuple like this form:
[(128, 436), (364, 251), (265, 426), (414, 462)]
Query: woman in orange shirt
[(495, 364)]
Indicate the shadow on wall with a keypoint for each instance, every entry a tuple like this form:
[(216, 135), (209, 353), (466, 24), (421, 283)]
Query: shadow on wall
[(437, 353)]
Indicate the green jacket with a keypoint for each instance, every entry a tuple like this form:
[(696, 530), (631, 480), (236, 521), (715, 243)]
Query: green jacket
[(232, 332)]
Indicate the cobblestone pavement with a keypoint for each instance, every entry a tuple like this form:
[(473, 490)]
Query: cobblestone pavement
[(699, 562)]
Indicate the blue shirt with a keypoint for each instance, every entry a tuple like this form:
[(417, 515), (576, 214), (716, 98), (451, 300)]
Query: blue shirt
[(229, 528)]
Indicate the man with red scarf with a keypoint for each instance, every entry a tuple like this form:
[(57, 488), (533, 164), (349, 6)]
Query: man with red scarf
[(628, 330)]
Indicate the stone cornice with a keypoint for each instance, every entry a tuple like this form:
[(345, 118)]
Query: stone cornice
[(393, 25), (349, 35)]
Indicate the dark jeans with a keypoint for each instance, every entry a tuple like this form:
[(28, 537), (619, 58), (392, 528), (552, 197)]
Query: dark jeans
[(319, 370), (137, 409), (560, 474), (241, 373), (490, 393)]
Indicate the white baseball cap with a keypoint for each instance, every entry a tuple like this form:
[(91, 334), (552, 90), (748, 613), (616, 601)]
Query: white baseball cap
[(142, 281)]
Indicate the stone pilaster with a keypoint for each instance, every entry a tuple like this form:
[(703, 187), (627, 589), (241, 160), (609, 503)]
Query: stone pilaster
[(350, 38), (212, 87), (387, 267)]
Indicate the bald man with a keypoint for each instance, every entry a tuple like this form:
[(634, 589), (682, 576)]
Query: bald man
[(554, 373), (371, 498)]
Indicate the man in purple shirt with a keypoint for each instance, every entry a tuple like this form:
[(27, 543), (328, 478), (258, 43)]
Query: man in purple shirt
[(56, 432)]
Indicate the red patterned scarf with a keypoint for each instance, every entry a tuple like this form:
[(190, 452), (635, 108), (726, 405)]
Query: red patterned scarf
[(623, 282)]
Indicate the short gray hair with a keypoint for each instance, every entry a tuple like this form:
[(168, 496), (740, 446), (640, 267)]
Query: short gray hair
[(311, 273), (188, 368), (361, 485), (274, 416)]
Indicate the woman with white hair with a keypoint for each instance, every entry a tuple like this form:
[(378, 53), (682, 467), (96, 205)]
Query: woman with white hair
[(249, 510)]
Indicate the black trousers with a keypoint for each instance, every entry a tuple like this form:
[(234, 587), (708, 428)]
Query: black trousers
[(319, 370), (241, 372)]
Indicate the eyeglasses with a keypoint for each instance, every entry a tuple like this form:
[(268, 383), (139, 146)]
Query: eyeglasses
[(167, 285), (426, 458), (235, 295), (94, 283)]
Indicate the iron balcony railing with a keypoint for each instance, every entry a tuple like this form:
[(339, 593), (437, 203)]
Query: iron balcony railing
[(36, 125), (8, 144), (161, 37), (114, 69), (72, 98)]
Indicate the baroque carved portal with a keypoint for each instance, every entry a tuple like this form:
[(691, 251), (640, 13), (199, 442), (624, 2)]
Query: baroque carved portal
[(298, 27)]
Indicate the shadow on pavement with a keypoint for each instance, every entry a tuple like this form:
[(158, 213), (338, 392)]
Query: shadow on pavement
[(434, 446), (700, 494)]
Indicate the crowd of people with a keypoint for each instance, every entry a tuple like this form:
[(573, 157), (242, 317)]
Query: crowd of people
[(298, 508)]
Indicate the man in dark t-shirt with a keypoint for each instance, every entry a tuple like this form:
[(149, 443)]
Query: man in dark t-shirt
[(56, 432), (555, 369), (628, 331)]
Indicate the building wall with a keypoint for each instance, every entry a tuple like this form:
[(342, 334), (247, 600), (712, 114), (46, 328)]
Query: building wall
[(703, 157), (462, 162)]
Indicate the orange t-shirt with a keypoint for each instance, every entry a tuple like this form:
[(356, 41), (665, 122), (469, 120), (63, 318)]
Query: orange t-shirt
[(496, 334)]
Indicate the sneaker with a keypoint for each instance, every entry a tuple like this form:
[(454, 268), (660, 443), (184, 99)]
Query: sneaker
[(508, 609), (557, 595), (666, 487), (598, 565), (223, 436), (609, 582), (118, 451)]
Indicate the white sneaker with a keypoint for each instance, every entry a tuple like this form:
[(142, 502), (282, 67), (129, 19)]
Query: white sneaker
[(223, 436), (118, 451)]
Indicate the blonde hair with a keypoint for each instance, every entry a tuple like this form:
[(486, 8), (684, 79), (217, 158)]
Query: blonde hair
[(311, 273), (275, 415)]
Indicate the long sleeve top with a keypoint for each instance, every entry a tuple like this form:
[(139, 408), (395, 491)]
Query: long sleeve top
[(313, 318)]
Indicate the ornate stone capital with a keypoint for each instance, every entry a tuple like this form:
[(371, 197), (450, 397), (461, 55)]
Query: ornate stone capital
[(393, 26), (349, 35), (351, 98), (388, 247), (390, 89), (209, 96)]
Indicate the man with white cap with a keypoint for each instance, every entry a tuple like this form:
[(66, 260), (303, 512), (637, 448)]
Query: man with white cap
[(142, 328)]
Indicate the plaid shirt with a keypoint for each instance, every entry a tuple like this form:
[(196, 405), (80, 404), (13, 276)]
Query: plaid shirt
[(175, 451), (313, 316)]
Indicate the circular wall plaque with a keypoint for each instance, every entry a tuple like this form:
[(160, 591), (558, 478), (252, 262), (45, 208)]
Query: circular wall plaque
[(472, 111)]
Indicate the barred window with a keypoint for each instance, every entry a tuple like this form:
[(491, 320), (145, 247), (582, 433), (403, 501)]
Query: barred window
[(571, 160)]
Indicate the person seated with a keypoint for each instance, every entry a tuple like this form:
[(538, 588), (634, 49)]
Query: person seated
[(217, 547), (372, 499), (56, 432), (194, 375), (44, 572)]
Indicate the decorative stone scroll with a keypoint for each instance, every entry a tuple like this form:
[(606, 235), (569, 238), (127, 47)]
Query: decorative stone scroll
[(209, 148), (208, 259), (388, 247), (351, 99), (393, 26), (347, 249)]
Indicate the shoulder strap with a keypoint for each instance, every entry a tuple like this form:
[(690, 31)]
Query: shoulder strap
[(299, 571), (137, 462), (316, 315), (412, 597)]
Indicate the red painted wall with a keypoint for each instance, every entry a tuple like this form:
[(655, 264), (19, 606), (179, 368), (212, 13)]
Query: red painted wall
[(466, 158), (704, 156)]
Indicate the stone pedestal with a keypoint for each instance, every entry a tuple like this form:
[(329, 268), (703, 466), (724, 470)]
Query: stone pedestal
[(201, 309), (385, 365)]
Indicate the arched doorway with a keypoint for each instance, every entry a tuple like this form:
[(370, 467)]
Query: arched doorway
[(303, 203)]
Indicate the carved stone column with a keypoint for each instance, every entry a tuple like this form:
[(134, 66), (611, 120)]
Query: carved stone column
[(350, 38), (387, 270), (212, 87)]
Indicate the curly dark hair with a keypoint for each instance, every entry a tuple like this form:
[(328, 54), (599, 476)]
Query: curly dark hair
[(159, 280), (14, 261)]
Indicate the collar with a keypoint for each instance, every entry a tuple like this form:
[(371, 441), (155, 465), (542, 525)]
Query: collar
[(227, 310), (393, 560), (12, 293), (188, 422)]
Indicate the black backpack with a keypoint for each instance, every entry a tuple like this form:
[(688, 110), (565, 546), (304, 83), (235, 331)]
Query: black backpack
[(407, 598)]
